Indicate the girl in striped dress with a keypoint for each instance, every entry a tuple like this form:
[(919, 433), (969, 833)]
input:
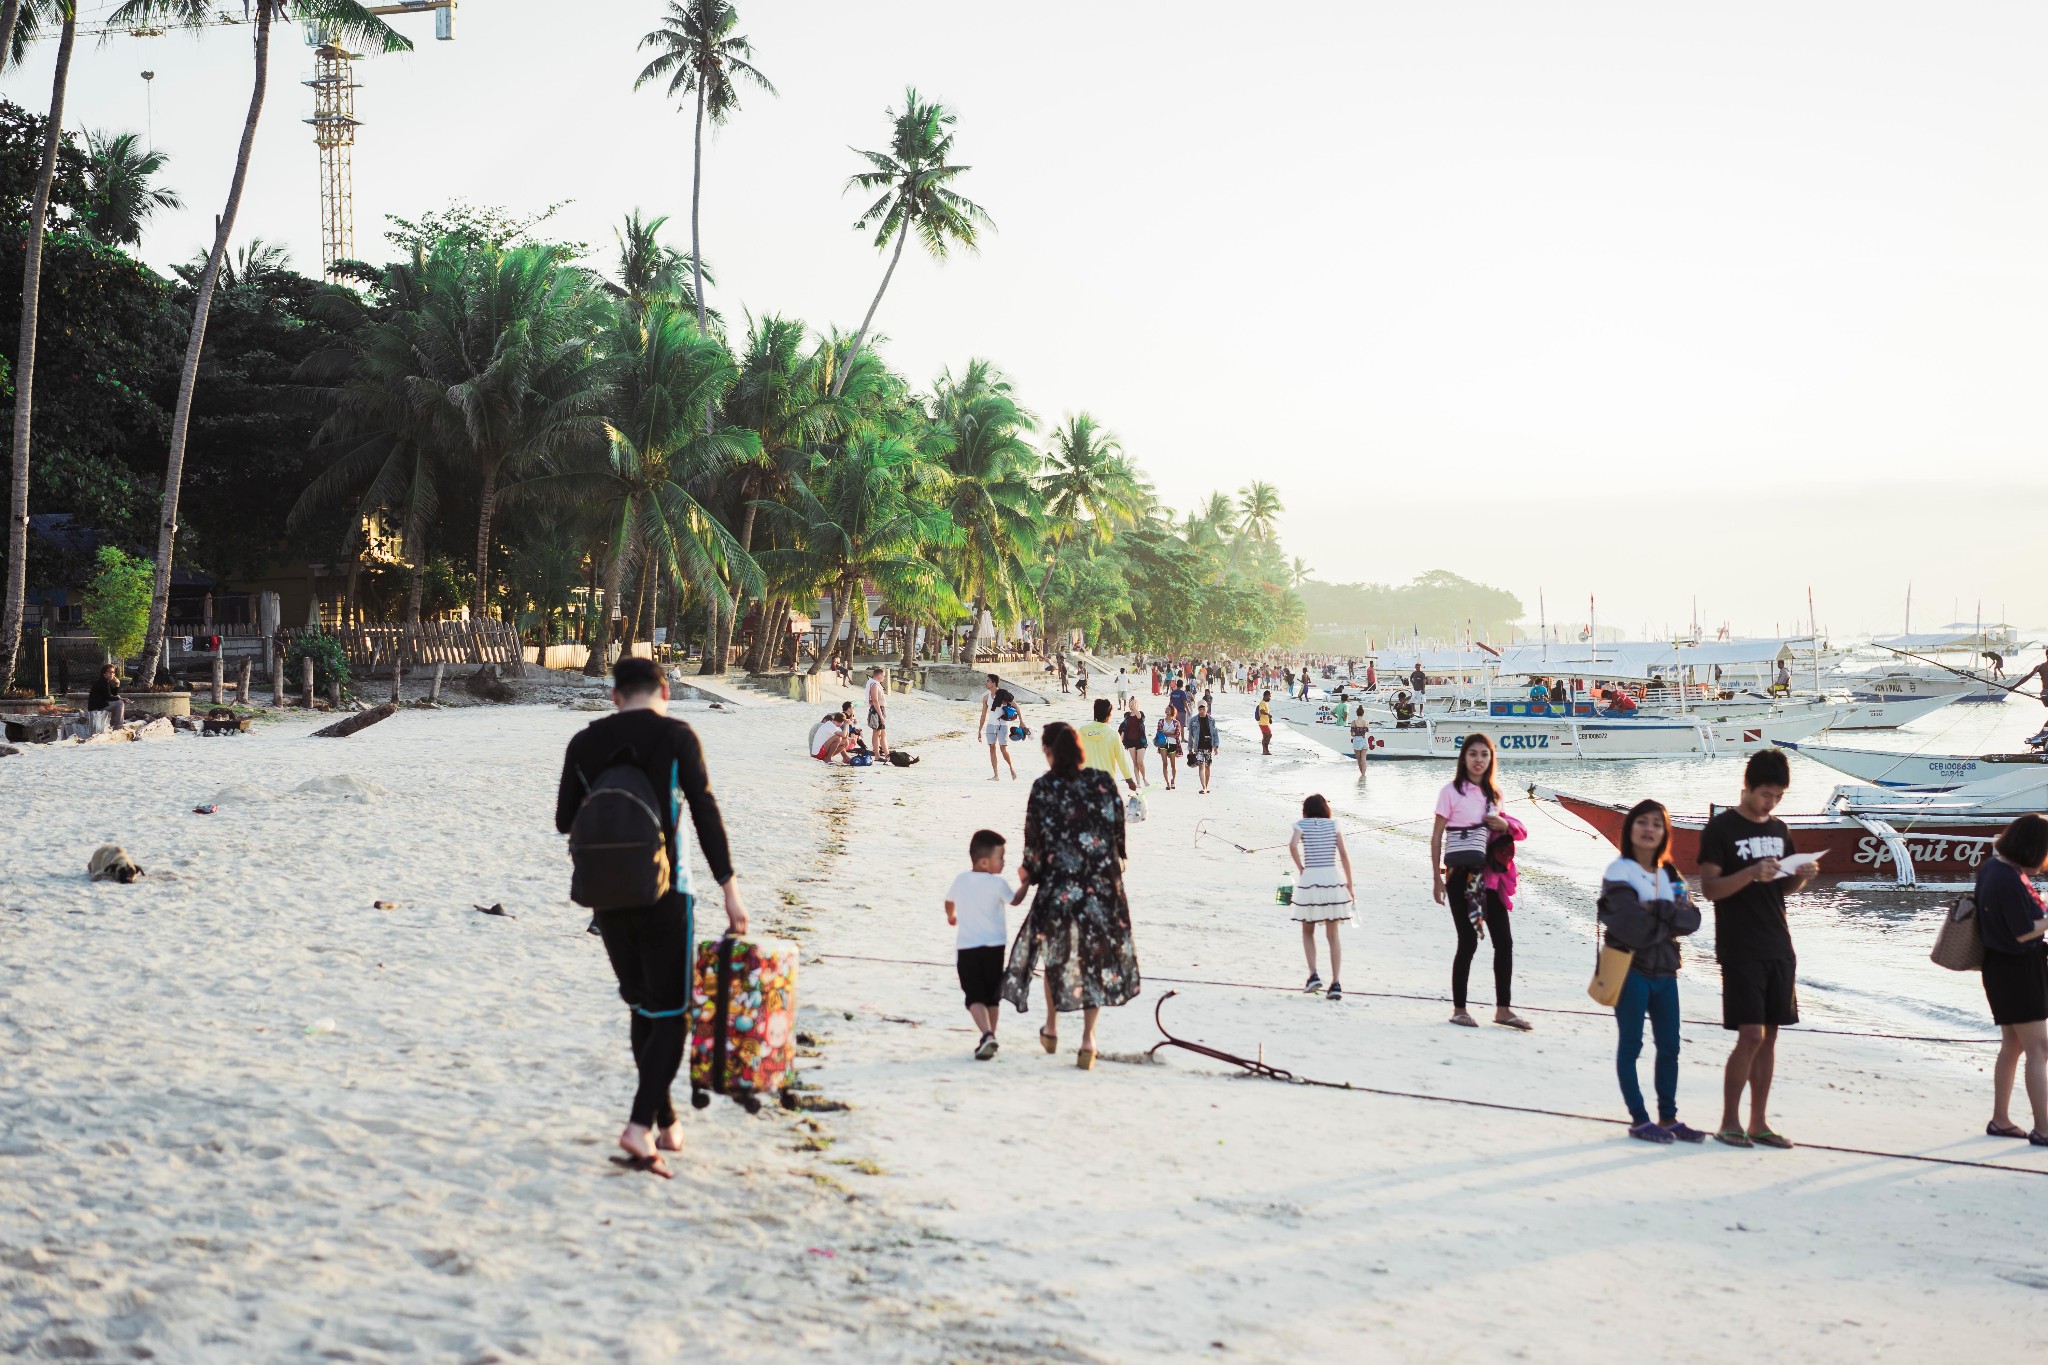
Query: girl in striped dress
[(1322, 894)]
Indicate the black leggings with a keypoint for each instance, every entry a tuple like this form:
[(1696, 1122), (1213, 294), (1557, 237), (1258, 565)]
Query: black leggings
[(1497, 929), (650, 952)]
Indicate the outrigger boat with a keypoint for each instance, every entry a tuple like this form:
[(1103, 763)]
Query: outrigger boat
[(1548, 732), (1863, 830), (1918, 772)]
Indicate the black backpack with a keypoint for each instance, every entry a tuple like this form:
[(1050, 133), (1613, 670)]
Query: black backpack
[(617, 843)]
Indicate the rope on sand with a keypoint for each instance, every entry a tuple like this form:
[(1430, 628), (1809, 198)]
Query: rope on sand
[(1262, 1069), (1445, 1000)]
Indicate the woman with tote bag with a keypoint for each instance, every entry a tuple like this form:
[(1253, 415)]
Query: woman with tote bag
[(1646, 908)]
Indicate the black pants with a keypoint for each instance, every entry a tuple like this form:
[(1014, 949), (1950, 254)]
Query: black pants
[(1497, 929), (650, 952)]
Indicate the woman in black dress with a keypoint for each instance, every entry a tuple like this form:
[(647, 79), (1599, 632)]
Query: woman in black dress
[(1079, 922), (2011, 920)]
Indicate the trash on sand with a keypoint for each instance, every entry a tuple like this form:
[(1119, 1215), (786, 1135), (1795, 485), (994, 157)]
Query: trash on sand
[(495, 908), (204, 810), (111, 863), (827, 1252), (319, 1026), (383, 905)]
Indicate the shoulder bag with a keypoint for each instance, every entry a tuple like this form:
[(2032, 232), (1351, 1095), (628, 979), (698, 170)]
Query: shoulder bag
[(1958, 945)]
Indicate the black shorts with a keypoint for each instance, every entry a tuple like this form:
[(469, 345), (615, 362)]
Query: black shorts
[(981, 974), (1759, 992)]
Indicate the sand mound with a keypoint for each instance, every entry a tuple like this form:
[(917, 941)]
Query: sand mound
[(342, 787)]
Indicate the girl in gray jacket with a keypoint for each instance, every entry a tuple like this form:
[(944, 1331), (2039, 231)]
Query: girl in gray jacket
[(1646, 908)]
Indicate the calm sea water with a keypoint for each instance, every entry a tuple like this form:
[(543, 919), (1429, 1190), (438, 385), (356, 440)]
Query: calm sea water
[(1862, 956)]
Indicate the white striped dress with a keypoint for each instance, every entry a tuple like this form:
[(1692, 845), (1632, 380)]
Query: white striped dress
[(1320, 893)]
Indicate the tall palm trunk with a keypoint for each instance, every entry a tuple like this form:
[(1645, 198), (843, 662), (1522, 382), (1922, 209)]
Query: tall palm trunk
[(601, 632), (25, 361), (974, 629), (188, 377), (696, 195), (487, 506), (832, 636), (765, 650), (7, 18), (728, 622), (839, 380)]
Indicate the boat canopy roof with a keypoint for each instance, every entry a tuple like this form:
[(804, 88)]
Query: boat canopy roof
[(1637, 660), (1999, 637)]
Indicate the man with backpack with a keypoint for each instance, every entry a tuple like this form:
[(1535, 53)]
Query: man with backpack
[(624, 781)]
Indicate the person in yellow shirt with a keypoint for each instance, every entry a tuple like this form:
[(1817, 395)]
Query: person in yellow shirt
[(1102, 747), (1265, 715)]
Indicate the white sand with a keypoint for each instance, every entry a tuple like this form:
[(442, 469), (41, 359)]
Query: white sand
[(186, 1174)]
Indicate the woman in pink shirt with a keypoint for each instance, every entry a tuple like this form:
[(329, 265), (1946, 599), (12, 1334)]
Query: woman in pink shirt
[(1468, 819)]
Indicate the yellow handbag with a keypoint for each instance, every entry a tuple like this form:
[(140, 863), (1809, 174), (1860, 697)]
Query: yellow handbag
[(1609, 972)]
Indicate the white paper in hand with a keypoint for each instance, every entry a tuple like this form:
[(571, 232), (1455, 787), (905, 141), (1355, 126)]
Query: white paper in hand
[(1797, 865)]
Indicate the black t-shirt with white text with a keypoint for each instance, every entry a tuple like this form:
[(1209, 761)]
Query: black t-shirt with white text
[(1750, 925)]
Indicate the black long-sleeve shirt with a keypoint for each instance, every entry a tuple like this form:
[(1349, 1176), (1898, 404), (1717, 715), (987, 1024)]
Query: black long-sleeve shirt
[(103, 692), (668, 752)]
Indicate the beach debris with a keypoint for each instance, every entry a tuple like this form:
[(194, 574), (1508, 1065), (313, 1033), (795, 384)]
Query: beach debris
[(486, 683), (495, 908), (32, 728), (160, 728), (319, 1027), (8, 751), (205, 810), (588, 704), (111, 863), (827, 1252), (383, 905), (361, 720), (651, 1165)]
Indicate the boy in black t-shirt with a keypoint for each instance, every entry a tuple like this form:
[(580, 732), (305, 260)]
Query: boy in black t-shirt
[(1740, 852)]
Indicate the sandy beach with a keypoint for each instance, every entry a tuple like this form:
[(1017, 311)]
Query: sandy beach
[(248, 1116)]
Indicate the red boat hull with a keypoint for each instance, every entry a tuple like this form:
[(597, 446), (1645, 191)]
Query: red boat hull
[(1940, 848)]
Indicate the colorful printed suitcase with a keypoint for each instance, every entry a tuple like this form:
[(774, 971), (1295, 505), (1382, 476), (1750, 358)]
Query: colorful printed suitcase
[(742, 1019)]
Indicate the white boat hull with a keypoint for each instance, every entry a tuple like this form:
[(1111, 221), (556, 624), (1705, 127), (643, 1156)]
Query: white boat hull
[(1890, 714), (1553, 740), (1923, 772)]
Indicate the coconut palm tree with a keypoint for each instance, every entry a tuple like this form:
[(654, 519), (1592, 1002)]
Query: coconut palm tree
[(347, 22), (64, 12), (1087, 485), (991, 499), (1258, 509), (867, 519), (119, 196), (1298, 572), (701, 56), (647, 270), (914, 176), (17, 26)]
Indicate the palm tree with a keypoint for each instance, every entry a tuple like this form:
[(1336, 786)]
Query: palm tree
[(14, 34), (65, 12), (346, 21), (1087, 485), (647, 270), (914, 175), (865, 521), (991, 498), (658, 450), (1298, 572), (119, 196), (701, 56), (1259, 509), (486, 360)]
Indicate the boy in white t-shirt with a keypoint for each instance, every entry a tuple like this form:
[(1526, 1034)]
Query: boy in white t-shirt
[(974, 903)]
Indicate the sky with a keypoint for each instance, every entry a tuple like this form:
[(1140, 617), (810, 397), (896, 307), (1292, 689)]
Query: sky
[(1646, 304)]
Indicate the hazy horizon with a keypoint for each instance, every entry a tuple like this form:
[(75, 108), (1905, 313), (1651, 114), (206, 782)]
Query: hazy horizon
[(1579, 299)]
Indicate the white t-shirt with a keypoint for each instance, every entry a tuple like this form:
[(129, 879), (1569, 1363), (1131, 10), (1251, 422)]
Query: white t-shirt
[(825, 731), (978, 900)]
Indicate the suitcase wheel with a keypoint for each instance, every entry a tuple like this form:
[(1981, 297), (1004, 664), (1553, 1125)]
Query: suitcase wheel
[(699, 1099), (750, 1103)]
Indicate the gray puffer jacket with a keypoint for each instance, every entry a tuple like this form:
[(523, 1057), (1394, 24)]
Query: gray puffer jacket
[(1639, 920)]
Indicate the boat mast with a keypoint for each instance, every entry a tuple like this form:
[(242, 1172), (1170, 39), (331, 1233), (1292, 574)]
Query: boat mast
[(1813, 625), (1542, 626)]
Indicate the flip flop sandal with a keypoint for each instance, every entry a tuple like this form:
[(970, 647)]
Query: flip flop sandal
[(2010, 1130), (1515, 1021), (1734, 1137), (1464, 1020), (652, 1165), (1767, 1138)]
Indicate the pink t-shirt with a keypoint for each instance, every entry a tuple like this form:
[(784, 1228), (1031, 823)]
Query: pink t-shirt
[(1463, 808)]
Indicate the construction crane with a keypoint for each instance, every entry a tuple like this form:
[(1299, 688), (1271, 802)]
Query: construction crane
[(334, 124), (334, 107)]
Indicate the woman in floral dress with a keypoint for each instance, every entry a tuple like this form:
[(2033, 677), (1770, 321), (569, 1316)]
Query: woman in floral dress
[(1079, 922)]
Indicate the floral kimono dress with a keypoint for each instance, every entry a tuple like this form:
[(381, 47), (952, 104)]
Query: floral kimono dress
[(1079, 925)]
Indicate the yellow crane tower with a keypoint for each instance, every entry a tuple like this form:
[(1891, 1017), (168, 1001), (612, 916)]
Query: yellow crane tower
[(334, 124)]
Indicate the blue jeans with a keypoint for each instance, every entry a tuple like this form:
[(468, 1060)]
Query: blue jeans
[(1656, 996)]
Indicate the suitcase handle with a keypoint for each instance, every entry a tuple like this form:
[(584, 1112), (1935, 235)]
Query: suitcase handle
[(718, 1036)]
